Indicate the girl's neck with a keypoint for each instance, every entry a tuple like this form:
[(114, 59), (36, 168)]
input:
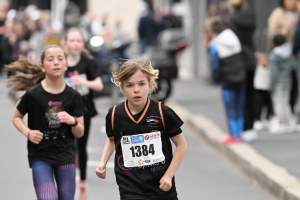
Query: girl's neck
[(53, 86), (73, 60)]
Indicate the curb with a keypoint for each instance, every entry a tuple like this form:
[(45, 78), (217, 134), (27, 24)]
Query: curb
[(275, 179)]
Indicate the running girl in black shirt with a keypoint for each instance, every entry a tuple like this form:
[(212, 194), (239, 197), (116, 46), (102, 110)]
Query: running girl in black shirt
[(139, 130), (55, 116), (83, 76)]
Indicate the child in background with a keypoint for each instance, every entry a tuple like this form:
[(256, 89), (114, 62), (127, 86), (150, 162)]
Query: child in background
[(281, 63), (262, 91), (55, 116), (139, 130), (228, 69), (82, 75)]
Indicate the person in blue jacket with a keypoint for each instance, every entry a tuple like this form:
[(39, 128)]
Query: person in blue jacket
[(228, 69)]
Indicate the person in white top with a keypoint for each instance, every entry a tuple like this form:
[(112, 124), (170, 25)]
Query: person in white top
[(262, 92)]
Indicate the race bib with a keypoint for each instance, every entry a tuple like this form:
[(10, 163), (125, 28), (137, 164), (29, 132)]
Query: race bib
[(142, 149), (83, 90)]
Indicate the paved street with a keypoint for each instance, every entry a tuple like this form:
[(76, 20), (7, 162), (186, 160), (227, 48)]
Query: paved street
[(204, 174)]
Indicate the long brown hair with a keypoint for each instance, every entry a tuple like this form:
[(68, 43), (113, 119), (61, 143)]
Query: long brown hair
[(28, 72)]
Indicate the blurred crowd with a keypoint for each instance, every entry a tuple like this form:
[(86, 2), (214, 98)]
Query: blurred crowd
[(269, 82), (268, 88)]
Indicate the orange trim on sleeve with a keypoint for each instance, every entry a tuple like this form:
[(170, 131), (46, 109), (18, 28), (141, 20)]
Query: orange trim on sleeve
[(113, 118), (161, 115)]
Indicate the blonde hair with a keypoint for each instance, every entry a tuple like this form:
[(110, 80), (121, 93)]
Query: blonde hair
[(84, 51), (130, 67), (29, 74)]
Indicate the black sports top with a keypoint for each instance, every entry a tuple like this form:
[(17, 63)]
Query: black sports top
[(143, 182)]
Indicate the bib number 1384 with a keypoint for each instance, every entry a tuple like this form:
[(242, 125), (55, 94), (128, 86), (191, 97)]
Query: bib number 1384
[(142, 150)]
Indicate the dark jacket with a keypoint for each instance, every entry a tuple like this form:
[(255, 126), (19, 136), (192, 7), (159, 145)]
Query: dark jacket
[(296, 41), (147, 27), (242, 22), (232, 71)]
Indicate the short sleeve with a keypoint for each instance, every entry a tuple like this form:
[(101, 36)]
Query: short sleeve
[(173, 122), (93, 69), (109, 130), (23, 105), (78, 106)]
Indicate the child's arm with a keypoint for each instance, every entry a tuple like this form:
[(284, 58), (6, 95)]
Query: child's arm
[(34, 136), (77, 130), (108, 149), (181, 146), (95, 84)]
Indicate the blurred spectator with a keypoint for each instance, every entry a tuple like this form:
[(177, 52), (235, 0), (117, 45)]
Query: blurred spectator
[(36, 40), (242, 22), (281, 65), (215, 8), (262, 93), (296, 49), (72, 15), (86, 25), (282, 21), (100, 27), (147, 29), (119, 34), (226, 47), (169, 21)]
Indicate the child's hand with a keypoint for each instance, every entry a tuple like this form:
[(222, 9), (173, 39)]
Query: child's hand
[(77, 80), (101, 171), (35, 136), (165, 183), (64, 117)]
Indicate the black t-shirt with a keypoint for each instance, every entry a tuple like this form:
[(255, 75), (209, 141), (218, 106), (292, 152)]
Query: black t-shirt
[(143, 182), (90, 69), (57, 146)]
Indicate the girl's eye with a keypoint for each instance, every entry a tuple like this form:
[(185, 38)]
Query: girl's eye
[(142, 84), (129, 85)]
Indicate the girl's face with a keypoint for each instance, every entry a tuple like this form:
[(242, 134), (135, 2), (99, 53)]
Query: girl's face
[(54, 63), (136, 88), (289, 4), (74, 43)]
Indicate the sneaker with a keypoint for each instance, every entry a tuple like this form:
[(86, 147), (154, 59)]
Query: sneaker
[(258, 125), (230, 140), (277, 129), (82, 186), (249, 135)]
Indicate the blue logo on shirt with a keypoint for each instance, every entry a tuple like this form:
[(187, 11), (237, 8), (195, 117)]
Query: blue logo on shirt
[(137, 139)]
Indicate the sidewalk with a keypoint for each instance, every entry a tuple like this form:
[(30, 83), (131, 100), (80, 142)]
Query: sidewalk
[(273, 161)]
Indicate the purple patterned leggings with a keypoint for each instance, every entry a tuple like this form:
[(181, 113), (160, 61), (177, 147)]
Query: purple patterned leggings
[(63, 188)]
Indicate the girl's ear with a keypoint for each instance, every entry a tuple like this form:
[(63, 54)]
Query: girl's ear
[(42, 67)]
